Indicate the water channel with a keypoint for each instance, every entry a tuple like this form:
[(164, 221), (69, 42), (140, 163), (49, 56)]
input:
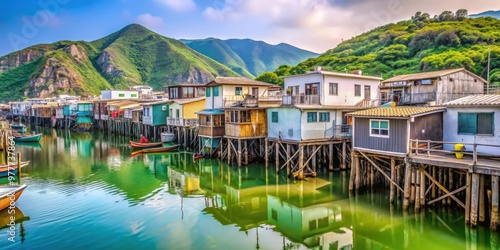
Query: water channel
[(85, 191)]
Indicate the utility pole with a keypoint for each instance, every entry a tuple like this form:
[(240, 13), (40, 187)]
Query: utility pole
[(488, 73)]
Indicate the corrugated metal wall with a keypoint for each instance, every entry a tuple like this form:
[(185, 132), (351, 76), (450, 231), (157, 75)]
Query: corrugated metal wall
[(395, 143)]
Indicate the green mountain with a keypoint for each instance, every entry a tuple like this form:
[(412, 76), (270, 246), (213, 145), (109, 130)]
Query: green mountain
[(133, 55), (248, 57), (449, 40)]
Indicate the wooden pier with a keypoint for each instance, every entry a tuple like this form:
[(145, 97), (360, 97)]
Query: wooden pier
[(302, 158)]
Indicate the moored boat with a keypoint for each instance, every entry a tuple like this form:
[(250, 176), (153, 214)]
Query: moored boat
[(167, 137), (156, 150), (28, 138), (12, 168), (19, 127), (136, 145), (10, 193)]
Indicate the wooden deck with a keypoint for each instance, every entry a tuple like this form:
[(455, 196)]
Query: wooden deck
[(474, 162)]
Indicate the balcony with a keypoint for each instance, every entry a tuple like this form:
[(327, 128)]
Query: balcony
[(301, 99), (182, 122), (147, 120)]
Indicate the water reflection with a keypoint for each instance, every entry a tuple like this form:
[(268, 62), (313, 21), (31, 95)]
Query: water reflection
[(86, 185)]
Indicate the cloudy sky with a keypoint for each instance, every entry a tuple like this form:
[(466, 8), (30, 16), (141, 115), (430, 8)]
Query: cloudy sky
[(316, 25)]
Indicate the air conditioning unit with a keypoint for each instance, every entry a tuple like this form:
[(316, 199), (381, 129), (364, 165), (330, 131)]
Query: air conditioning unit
[(164, 108)]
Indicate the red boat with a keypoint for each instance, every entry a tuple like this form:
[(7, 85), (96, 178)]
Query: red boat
[(136, 145), (155, 150), (197, 156)]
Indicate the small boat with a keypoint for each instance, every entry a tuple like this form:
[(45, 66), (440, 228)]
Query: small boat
[(136, 145), (19, 127), (156, 150), (12, 168), (167, 137), (10, 193), (197, 156), (28, 138)]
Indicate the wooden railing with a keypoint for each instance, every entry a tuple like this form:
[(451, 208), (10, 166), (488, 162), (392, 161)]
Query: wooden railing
[(430, 148), (182, 122)]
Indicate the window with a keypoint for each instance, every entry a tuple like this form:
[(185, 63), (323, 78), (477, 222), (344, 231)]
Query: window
[(170, 113), (177, 113), (357, 90), (324, 116), (187, 92), (238, 90), (312, 117), (216, 91), (173, 93), (312, 89), (121, 95), (274, 117), (468, 123), (334, 88), (238, 117), (379, 128), (208, 92), (133, 95)]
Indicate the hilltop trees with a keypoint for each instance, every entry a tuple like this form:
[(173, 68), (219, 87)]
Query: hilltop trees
[(423, 43)]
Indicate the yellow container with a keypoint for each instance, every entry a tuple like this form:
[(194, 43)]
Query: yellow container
[(459, 148)]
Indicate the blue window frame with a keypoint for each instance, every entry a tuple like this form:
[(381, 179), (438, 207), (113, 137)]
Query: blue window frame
[(312, 117), (274, 117), (324, 116)]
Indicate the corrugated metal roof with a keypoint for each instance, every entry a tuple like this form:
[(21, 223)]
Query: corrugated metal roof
[(476, 100), (428, 75), (396, 111), (237, 81)]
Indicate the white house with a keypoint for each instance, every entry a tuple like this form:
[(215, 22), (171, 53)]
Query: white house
[(316, 105), (320, 87), (474, 118), (19, 108), (143, 90), (224, 91), (119, 94)]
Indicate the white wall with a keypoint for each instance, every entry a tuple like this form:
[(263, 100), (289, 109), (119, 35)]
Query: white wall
[(450, 130), (288, 121), (175, 106), (115, 94), (345, 87), (318, 130)]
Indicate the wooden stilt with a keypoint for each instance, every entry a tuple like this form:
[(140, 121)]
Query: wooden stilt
[(482, 205), (313, 161), (468, 191), (474, 200), (330, 157), (494, 203), (266, 153), (422, 186), (352, 177), (301, 163), (407, 180), (276, 152), (357, 176), (417, 190), (393, 178), (344, 155)]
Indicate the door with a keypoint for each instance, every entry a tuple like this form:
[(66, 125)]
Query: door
[(368, 95), (255, 92)]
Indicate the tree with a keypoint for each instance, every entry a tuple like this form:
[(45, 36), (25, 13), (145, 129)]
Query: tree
[(270, 77), (446, 16), (461, 14)]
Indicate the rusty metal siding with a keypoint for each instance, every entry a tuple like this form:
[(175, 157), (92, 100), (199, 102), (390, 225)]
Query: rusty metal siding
[(395, 143)]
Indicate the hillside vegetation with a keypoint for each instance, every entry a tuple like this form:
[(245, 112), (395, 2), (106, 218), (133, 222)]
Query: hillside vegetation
[(423, 43), (134, 55)]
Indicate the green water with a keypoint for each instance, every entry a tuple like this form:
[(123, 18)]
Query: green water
[(86, 192)]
